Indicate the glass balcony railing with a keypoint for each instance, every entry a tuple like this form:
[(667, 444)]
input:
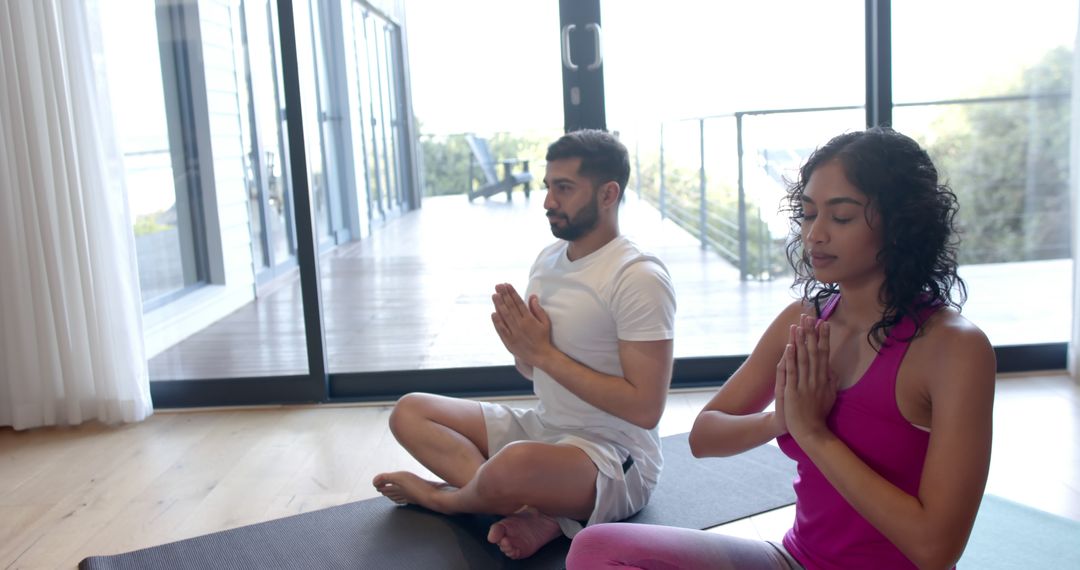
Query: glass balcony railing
[(723, 177)]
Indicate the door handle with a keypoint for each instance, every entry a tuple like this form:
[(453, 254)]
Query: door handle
[(599, 60), (566, 61)]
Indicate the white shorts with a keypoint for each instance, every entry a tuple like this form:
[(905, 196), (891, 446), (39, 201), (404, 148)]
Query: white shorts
[(621, 491)]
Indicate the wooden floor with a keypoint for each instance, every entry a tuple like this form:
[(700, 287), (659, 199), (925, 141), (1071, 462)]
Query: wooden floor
[(70, 493), (416, 295)]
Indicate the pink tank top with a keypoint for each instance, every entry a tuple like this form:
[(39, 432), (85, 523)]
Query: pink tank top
[(828, 533)]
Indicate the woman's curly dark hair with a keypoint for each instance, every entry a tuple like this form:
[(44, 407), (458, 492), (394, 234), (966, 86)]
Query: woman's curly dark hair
[(916, 214)]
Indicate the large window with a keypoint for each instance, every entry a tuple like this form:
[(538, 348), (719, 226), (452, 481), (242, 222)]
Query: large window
[(720, 103), (995, 117), (416, 296), (200, 93), (372, 59), (410, 134), (269, 188), (196, 88), (163, 194)]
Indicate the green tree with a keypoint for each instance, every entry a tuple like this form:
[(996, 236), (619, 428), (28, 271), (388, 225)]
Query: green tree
[(445, 164), (1008, 163), (447, 159)]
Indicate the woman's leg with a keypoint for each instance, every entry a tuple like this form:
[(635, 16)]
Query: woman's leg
[(650, 547)]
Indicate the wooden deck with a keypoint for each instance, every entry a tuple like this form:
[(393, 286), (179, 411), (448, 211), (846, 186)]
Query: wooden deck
[(416, 295)]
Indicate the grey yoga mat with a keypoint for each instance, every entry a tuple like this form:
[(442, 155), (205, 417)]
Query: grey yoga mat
[(1010, 535), (376, 534)]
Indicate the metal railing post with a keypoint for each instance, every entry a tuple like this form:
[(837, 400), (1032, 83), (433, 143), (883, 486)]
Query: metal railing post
[(472, 176), (701, 175), (764, 249), (637, 167), (663, 188), (764, 237), (743, 260)]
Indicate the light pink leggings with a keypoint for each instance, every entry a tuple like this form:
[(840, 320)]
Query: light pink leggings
[(650, 547)]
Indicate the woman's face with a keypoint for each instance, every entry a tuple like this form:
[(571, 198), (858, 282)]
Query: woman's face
[(839, 230)]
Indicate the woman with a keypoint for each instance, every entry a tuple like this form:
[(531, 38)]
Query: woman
[(883, 393)]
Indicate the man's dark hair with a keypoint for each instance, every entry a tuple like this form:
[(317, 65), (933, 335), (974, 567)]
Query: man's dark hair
[(916, 214), (603, 157)]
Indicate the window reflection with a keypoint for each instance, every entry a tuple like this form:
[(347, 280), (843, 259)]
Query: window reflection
[(164, 243)]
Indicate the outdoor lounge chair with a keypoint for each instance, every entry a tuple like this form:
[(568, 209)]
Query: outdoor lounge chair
[(481, 155)]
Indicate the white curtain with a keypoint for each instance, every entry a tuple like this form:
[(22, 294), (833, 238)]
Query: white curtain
[(71, 346)]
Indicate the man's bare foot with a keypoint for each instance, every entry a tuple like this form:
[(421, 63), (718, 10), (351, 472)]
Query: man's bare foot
[(521, 534), (404, 488)]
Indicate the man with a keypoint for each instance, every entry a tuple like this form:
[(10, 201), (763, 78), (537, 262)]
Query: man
[(595, 337)]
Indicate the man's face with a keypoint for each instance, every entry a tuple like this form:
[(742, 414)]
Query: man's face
[(572, 203)]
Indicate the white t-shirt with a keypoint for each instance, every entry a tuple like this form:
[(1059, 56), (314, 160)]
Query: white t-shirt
[(617, 292)]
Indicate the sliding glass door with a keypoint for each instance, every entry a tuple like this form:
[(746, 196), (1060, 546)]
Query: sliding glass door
[(720, 103), (270, 206), (415, 295), (422, 128), (196, 89)]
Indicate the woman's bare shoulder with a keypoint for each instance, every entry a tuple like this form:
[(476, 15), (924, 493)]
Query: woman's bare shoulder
[(948, 338), (799, 307), (949, 328), (788, 316)]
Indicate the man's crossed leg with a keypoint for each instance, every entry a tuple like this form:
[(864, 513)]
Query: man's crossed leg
[(530, 483)]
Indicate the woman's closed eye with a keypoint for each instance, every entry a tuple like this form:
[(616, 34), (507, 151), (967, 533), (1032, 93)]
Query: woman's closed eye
[(809, 217)]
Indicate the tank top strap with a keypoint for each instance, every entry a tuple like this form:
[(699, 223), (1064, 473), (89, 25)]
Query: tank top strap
[(895, 346), (830, 306), (906, 327)]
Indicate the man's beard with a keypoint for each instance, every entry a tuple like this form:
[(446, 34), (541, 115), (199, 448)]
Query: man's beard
[(579, 225)]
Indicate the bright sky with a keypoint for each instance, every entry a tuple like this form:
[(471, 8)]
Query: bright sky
[(494, 65)]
